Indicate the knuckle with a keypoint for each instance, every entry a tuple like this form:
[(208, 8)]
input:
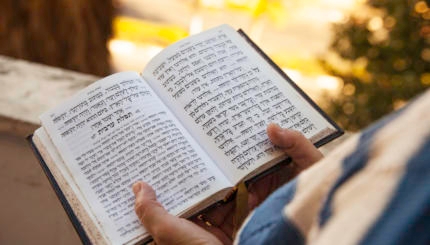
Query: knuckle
[(296, 134), (143, 208), (139, 208), (160, 229)]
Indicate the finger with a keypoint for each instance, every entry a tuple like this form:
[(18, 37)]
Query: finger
[(259, 190), (295, 145), (218, 218), (228, 227), (214, 230), (150, 212), (217, 215), (164, 227), (223, 217)]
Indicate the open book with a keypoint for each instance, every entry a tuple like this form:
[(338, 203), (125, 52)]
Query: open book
[(192, 125)]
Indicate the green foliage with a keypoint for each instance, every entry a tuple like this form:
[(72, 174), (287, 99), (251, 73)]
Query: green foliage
[(387, 48)]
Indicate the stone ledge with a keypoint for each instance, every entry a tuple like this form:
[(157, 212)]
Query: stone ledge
[(14, 127), (29, 89)]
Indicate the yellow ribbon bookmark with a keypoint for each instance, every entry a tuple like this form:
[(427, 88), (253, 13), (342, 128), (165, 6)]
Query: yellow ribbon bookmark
[(241, 210)]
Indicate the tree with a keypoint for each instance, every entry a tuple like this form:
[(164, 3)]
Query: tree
[(71, 34), (387, 52)]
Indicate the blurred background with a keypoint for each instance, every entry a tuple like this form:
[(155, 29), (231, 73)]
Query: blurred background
[(358, 59)]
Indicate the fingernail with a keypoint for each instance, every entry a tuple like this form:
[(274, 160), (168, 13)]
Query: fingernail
[(279, 130), (276, 126), (136, 187)]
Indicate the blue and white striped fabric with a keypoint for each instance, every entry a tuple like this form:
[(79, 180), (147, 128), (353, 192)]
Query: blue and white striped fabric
[(373, 189)]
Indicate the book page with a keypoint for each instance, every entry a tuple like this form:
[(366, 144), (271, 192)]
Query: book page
[(226, 94), (117, 131)]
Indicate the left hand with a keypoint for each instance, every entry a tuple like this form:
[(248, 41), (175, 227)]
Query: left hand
[(164, 227), (217, 226)]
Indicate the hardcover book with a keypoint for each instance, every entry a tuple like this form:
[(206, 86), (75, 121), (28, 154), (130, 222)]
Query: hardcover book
[(192, 125)]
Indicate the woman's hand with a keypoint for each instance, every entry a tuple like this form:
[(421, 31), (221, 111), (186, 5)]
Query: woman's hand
[(216, 226)]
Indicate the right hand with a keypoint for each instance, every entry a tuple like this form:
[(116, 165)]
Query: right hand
[(303, 154)]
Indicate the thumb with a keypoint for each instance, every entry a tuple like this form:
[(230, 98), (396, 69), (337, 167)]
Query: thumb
[(150, 212), (295, 145), (164, 227)]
